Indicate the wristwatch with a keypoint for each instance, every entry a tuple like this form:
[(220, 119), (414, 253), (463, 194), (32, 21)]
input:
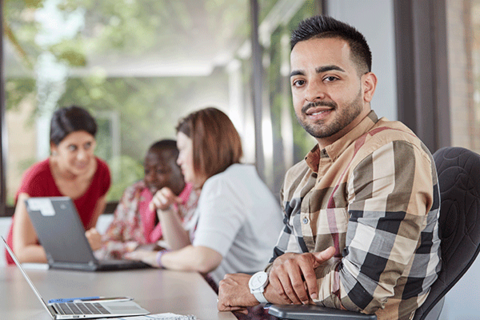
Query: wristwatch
[(257, 284)]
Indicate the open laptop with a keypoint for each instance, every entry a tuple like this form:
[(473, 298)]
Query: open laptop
[(62, 235), (83, 310)]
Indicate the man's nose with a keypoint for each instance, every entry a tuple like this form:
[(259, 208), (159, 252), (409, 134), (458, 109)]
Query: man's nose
[(150, 176), (315, 91)]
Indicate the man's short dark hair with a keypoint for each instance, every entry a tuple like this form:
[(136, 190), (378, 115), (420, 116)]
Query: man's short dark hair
[(328, 27), (168, 150)]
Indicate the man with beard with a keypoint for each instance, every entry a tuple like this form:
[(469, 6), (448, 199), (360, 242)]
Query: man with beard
[(135, 223), (361, 210)]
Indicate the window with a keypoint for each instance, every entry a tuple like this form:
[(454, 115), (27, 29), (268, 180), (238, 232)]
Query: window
[(138, 67), (463, 18)]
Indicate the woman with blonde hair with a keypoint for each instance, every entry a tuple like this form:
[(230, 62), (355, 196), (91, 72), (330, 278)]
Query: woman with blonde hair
[(237, 220)]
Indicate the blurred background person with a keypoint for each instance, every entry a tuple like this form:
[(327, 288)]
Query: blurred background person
[(134, 224), (72, 170), (237, 220)]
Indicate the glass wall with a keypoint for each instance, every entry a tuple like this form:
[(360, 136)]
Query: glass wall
[(288, 142), (139, 66), (463, 28)]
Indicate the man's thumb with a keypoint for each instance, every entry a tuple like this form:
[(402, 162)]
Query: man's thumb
[(324, 255)]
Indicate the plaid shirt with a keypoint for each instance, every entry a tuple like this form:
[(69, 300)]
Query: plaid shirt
[(373, 195)]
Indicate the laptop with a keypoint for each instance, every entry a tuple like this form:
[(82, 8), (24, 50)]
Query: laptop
[(62, 235), (84, 310)]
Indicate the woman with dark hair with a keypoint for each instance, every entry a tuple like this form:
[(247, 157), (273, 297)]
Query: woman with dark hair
[(237, 220), (72, 170)]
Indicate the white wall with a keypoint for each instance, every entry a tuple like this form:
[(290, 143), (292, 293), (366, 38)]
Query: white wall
[(375, 20)]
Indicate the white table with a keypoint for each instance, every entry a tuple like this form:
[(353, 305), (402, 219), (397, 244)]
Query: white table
[(158, 291)]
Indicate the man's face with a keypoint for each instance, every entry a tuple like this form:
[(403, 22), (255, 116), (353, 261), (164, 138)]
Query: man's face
[(160, 173), (328, 95)]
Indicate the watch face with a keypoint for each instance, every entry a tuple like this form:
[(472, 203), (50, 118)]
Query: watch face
[(258, 280)]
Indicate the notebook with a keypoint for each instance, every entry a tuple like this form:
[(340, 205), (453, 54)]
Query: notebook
[(62, 235), (86, 310)]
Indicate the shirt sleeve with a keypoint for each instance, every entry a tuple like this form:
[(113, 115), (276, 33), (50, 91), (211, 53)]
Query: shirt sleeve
[(37, 181), (221, 215), (389, 196)]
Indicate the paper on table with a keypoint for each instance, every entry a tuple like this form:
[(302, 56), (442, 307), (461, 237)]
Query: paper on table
[(159, 316), (35, 266)]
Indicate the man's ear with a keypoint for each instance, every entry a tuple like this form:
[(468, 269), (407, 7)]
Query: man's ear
[(369, 83)]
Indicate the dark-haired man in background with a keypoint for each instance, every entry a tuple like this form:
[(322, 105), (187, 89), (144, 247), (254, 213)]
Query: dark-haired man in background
[(361, 210), (135, 223)]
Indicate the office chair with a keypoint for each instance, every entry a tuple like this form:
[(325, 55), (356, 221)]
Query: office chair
[(459, 227)]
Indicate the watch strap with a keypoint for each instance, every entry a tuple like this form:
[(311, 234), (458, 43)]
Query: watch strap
[(260, 297)]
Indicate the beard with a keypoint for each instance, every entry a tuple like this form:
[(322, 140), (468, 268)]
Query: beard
[(343, 118)]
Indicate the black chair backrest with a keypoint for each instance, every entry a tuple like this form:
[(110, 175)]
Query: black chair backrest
[(459, 180)]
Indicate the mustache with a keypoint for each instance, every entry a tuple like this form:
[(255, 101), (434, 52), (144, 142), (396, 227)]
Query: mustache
[(318, 104)]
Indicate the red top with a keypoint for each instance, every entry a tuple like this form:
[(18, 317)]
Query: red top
[(38, 182)]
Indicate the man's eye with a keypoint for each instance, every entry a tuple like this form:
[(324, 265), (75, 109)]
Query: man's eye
[(88, 145), (298, 83), (72, 147), (331, 79)]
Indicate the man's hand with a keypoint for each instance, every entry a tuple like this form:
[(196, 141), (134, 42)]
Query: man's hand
[(163, 199), (94, 238), (292, 276), (234, 293)]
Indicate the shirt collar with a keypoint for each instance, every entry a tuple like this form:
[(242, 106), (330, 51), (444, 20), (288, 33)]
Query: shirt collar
[(335, 149)]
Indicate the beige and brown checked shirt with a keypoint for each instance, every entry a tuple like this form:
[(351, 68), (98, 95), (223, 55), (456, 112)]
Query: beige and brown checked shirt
[(374, 196)]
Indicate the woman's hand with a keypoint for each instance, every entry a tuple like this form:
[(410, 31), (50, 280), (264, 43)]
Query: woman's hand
[(163, 199), (94, 238), (149, 257)]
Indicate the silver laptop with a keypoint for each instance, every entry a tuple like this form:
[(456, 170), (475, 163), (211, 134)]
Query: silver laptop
[(62, 235), (83, 310)]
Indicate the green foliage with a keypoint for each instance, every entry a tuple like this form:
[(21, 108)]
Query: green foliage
[(16, 89), (130, 170), (280, 93), (71, 52)]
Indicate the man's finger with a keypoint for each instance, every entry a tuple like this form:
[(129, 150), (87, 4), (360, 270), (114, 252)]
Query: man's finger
[(310, 280), (284, 278), (299, 271), (322, 256), (275, 283)]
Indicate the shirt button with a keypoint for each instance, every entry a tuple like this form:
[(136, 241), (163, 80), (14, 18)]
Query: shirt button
[(305, 220)]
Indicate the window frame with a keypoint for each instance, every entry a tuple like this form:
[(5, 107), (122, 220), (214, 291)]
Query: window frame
[(422, 79)]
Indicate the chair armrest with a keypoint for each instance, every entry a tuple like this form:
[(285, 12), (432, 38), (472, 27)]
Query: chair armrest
[(301, 312)]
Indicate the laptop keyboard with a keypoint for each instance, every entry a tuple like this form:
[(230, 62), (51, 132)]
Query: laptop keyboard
[(80, 308)]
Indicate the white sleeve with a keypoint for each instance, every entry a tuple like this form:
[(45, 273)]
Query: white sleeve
[(222, 214)]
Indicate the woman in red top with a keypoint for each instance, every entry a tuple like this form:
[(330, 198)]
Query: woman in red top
[(72, 170)]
